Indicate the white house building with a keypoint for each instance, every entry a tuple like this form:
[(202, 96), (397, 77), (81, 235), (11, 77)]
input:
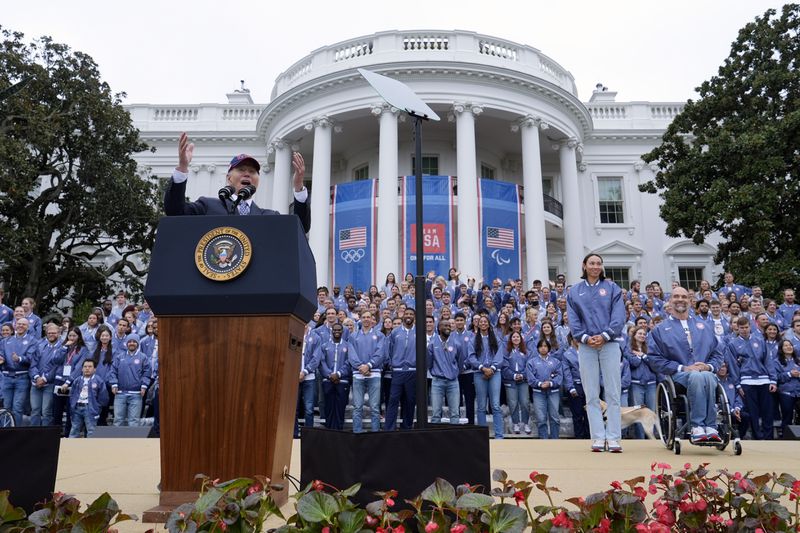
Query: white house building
[(513, 115)]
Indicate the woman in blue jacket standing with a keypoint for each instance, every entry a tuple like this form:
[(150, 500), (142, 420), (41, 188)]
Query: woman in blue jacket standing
[(515, 382), (787, 367), (487, 359), (596, 317)]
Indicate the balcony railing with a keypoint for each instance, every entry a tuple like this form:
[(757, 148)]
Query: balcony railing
[(409, 46), (553, 206)]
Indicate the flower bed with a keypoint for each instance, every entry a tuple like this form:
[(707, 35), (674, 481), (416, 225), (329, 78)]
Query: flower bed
[(689, 499)]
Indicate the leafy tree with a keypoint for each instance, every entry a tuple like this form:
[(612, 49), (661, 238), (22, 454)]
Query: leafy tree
[(74, 215), (729, 162)]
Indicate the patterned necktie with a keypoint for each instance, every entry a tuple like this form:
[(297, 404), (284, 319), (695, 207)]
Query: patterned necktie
[(244, 208)]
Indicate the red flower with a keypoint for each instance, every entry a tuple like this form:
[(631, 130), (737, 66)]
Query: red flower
[(737, 476), (617, 485), (640, 493), (794, 494), (664, 466), (686, 507), (746, 485), (665, 514), (533, 475), (653, 466), (389, 502), (431, 526), (326, 529), (317, 485), (223, 526), (604, 526), (700, 505), (715, 519), (519, 497), (562, 520), (678, 481), (458, 528), (399, 529), (642, 528), (254, 488), (371, 521), (652, 489), (687, 466)]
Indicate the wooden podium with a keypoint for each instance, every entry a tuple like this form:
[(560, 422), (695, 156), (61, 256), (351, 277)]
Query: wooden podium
[(232, 295)]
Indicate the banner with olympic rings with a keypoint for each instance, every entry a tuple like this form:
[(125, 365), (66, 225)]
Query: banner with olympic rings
[(353, 237), (500, 222), (437, 227)]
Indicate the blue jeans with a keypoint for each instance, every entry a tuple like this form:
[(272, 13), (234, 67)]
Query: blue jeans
[(306, 398), (701, 388), (371, 386), (545, 404), (127, 409), (643, 395), (15, 392), (42, 405), (606, 360), (82, 418), (442, 388), (518, 395), (489, 389)]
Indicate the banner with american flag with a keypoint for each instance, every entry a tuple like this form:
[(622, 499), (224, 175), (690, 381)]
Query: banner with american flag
[(437, 223), (500, 223), (353, 234)]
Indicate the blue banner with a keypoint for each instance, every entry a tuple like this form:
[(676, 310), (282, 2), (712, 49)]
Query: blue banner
[(353, 238), (500, 216), (437, 226)]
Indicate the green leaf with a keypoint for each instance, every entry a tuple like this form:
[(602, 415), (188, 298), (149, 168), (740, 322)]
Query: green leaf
[(104, 502), (317, 507), (507, 518), (440, 492), (349, 492), (95, 522), (208, 499), (786, 480), (41, 518), (474, 500), (351, 521), (9, 513), (499, 475)]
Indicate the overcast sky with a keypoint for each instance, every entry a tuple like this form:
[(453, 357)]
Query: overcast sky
[(178, 51)]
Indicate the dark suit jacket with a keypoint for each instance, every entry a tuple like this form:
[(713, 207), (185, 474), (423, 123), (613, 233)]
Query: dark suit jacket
[(175, 204)]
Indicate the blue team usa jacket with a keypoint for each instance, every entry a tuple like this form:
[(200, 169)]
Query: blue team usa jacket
[(668, 346), (595, 310)]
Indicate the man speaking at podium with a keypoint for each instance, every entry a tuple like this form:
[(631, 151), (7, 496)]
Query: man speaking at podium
[(236, 197)]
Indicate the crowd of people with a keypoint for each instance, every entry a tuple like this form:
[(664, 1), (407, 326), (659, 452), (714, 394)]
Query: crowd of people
[(495, 349), (76, 376)]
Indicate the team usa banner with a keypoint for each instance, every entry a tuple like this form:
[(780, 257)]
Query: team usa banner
[(353, 225), (437, 227), (500, 222)]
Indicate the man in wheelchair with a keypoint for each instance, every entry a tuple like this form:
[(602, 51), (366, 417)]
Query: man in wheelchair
[(686, 349)]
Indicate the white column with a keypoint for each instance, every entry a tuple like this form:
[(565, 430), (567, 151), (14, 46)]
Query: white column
[(263, 196), (387, 232), (319, 236), (469, 239), (282, 175), (535, 238), (573, 234)]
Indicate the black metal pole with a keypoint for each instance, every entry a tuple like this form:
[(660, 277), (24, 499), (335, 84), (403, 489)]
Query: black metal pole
[(419, 285)]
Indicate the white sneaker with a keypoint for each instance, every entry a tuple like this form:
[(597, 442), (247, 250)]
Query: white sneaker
[(712, 434), (698, 434), (598, 446), (614, 446), (527, 429), (516, 429)]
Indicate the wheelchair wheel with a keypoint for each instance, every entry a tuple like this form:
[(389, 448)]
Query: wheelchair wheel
[(737, 448), (677, 447), (665, 404), (724, 423), (6, 419)]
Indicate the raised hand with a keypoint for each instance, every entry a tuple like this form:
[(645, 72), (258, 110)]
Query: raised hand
[(299, 167), (185, 152)]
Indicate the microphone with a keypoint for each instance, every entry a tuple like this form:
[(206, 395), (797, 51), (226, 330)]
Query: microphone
[(245, 193), (226, 192)]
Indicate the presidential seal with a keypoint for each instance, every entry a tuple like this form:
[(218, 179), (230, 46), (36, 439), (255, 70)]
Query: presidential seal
[(223, 253)]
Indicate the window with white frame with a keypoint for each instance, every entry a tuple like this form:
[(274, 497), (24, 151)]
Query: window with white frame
[(619, 275), (547, 186), (430, 165), (612, 208), (690, 277), (361, 173)]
